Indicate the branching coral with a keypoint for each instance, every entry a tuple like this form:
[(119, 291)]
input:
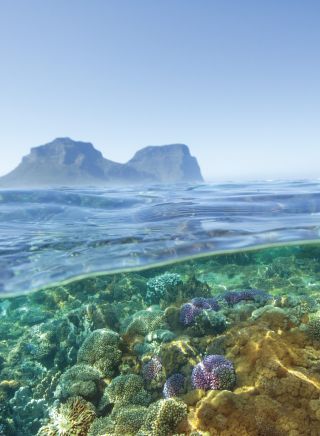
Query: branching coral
[(70, 419), (160, 286)]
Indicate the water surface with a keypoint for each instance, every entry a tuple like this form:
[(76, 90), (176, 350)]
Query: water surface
[(49, 236)]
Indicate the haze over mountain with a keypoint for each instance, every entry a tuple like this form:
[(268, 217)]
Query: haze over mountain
[(68, 162)]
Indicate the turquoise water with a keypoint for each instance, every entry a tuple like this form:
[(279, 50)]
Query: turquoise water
[(136, 293), (50, 236)]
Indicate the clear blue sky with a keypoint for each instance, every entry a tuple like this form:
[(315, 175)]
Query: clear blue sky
[(236, 80)]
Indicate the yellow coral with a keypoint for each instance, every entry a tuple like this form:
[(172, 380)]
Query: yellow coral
[(278, 389)]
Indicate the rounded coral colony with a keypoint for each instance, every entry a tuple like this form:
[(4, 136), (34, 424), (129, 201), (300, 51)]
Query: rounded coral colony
[(214, 372), (173, 386), (189, 311), (152, 368)]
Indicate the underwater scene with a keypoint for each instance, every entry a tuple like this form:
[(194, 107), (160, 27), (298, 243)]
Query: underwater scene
[(219, 345)]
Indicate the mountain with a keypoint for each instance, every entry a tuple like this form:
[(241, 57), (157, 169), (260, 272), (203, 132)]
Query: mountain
[(168, 163), (68, 162)]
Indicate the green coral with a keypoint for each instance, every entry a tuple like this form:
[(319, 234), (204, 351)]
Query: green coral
[(129, 419), (144, 322), (101, 350), (126, 421), (79, 380), (160, 287), (102, 426), (208, 322), (163, 417), (313, 328), (127, 390)]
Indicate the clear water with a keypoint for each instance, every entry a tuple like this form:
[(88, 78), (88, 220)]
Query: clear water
[(49, 236), (93, 351)]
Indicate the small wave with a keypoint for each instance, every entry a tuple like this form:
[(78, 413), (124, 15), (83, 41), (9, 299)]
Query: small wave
[(50, 236)]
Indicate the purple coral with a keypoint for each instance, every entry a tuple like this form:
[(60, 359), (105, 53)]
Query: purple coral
[(213, 360), (152, 369), (188, 313), (173, 386), (214, 372), (191, 310), (201, 303), (257, 295), (213, 303)]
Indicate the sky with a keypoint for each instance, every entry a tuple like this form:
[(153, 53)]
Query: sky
[(236, 80)]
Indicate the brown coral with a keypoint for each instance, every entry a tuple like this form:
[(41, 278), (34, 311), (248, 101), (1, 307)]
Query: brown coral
[(72, 418)]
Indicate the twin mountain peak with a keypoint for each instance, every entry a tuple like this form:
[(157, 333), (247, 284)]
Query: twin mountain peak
[(68, 162)]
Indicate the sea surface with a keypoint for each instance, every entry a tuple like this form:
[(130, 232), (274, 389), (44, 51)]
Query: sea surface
[(157, 311), (50, 236)]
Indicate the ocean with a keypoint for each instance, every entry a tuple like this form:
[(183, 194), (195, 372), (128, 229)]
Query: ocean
[(161, 310)]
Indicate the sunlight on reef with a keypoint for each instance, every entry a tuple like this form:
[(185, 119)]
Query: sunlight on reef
[(224, 345)]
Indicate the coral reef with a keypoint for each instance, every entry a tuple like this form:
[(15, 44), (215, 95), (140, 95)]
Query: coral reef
[(174, 385), (126, 390), (101, 350), (79, 380), (94, 358), (208, 322), (313, 328), (71, 418), (129, 419), (163, 417), (278, 384), (143, 322), (160, 286), (190, 311), (102, 426), (214, 372), (257, 295), (152, 368)]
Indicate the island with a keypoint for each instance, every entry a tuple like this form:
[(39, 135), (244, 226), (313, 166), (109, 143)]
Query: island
[(65, 162)]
